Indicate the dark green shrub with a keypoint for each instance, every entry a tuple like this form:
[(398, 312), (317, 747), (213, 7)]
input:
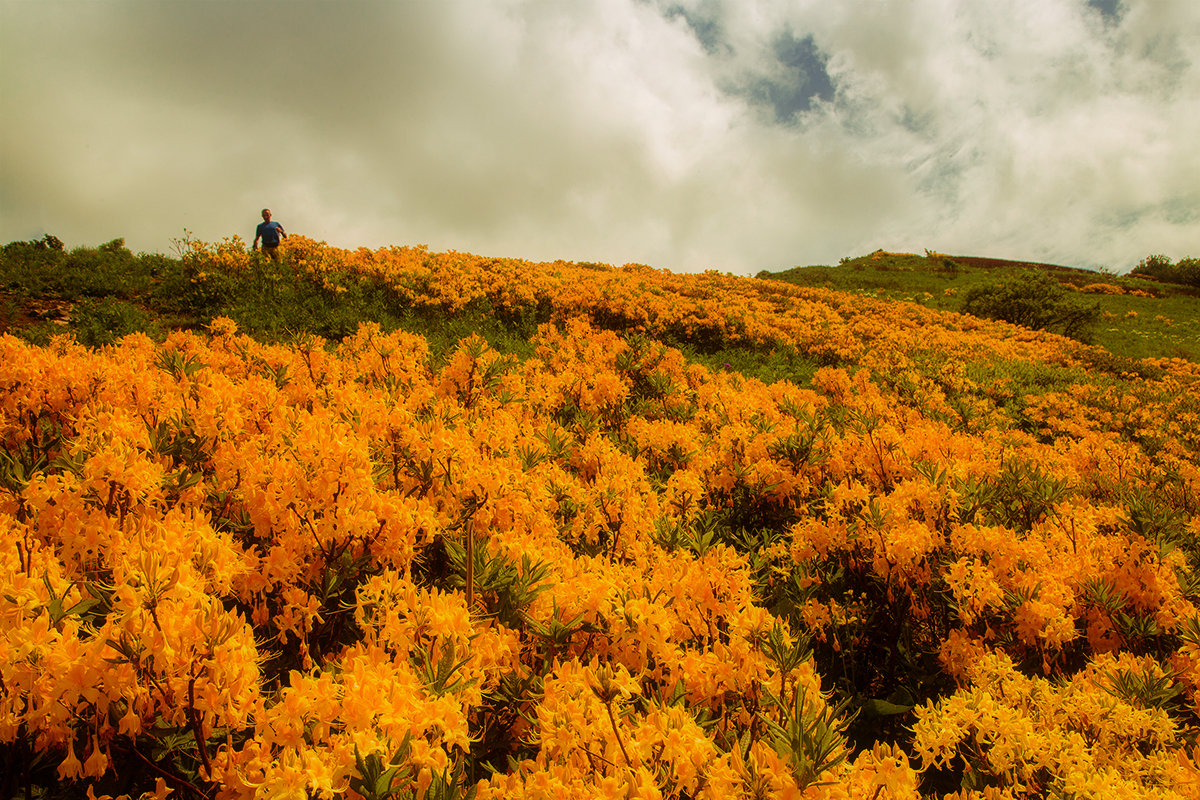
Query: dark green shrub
[(42, 268), (109, 270), (1152, 265), (24, 266), (46, 243), (100, 322), (1185, 272), (1034, 300)]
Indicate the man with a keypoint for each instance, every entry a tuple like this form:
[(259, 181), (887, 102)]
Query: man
[(270, 233)]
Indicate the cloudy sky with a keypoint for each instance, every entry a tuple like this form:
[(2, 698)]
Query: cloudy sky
[(736, 135)]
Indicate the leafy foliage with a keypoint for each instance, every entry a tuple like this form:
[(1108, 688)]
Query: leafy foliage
[(1186, 271), (1034, 300)]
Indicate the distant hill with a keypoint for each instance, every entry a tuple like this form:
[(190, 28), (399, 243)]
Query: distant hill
[(1139, 316)]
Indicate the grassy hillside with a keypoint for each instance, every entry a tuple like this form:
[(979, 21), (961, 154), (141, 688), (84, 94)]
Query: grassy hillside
[(1139, 317), (98, 294), (397, 523)]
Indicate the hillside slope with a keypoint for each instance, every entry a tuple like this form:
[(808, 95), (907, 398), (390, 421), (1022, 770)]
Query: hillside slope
[(1139, 317), (541, 529)]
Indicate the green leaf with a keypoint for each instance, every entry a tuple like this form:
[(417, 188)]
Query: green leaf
[(883, 708)]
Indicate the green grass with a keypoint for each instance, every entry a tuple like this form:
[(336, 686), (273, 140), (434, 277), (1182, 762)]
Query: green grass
[(769, 366), (1142, 327)]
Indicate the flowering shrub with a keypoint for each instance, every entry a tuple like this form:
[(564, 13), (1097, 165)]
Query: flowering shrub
[(1101, 288), (963, 560)]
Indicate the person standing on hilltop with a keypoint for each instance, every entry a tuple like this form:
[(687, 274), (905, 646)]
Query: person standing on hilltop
[(270, 233)]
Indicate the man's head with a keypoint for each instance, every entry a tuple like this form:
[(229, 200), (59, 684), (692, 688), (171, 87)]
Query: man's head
[(266, 215)]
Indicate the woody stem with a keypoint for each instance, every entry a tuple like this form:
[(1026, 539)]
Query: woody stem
[(620, 743), (469, 530)]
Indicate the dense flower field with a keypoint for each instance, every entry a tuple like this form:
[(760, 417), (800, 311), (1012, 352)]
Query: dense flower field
[(962, 561)]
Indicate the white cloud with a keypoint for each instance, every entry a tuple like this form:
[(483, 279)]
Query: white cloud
[(679, 134)]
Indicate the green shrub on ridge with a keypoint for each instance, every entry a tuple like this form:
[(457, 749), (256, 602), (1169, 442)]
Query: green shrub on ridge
[(1033, 300)]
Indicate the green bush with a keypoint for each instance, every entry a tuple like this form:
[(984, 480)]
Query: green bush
[(24, 266), (1034, 300), (43, 268), (1185, 272), (109, 270), (100, 322)]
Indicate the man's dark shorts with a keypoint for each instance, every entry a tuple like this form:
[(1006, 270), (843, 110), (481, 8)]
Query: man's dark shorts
[(272, 252)]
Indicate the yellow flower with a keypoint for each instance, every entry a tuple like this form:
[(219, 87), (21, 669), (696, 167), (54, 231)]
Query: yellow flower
[(70, 768)]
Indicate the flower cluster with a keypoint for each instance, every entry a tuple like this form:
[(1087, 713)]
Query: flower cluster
[(963, 558)]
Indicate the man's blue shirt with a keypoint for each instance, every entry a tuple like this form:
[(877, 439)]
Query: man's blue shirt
[(269, 231)]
